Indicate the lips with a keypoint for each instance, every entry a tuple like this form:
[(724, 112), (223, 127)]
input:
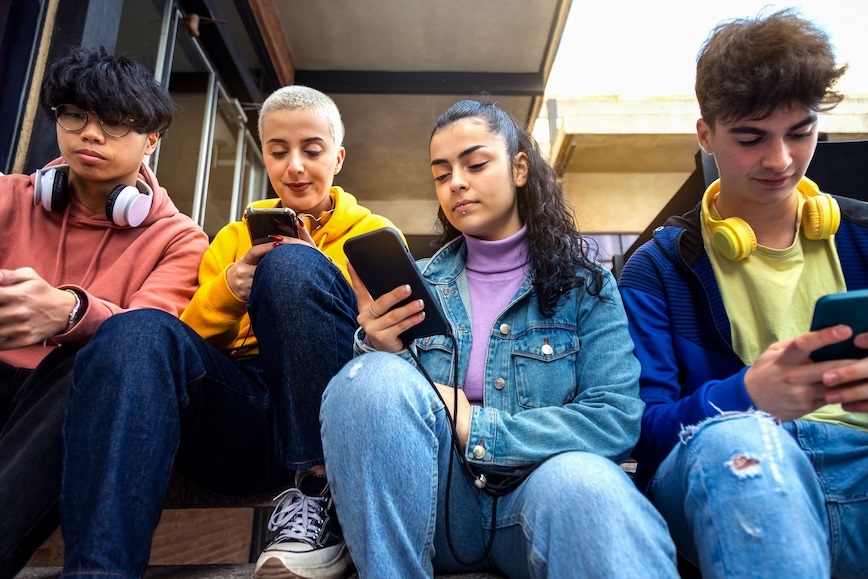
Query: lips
[(463, 205), (774, 182), (297, 187), (89, 155)]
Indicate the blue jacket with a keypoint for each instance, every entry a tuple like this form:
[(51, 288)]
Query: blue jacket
[(582, 393), (681, 330)]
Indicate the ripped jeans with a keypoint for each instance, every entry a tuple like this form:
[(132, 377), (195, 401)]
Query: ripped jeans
[(745, 496)]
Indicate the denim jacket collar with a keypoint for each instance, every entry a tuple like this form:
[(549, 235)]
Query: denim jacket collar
[(447, 265)]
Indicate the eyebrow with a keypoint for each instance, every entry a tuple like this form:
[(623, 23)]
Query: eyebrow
[(461, 155), (306, 140), (759, 132)]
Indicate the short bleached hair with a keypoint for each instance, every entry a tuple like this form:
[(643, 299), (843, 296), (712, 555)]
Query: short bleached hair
[(296, 96)]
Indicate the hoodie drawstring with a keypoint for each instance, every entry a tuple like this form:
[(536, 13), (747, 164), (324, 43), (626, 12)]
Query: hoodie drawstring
[(91, 267)]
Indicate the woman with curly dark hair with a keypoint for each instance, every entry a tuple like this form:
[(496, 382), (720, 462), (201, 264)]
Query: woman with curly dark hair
[(557, 249), (515, 421)]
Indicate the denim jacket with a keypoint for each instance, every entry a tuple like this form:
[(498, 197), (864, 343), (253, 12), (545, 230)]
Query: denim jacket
[(569, 382)]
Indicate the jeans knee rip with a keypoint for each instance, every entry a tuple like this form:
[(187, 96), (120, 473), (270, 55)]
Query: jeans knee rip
[(742, 464), (688, 432), (354, 369), (750, 529)]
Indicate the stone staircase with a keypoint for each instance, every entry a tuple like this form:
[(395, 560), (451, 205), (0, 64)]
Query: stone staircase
[(185, 494)]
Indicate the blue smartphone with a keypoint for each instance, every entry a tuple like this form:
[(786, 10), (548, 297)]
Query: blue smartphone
[(849, 308)]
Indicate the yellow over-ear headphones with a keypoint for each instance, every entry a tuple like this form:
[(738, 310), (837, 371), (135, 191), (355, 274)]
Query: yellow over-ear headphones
[(734, 239)]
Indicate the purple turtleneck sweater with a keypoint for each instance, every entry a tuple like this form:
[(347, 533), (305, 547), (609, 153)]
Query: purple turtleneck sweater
[(495, 271)]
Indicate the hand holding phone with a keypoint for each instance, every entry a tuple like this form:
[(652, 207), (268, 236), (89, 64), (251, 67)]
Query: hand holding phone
[(383, 263), (849, 308), (263, 222)]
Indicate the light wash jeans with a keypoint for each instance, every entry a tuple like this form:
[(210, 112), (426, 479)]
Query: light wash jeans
[(746, 497), (386, 440), (149, 393)]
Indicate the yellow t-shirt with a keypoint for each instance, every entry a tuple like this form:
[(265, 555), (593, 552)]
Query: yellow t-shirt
[(770, 295)]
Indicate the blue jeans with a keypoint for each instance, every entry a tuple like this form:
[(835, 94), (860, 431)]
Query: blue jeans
[(387, 444), (32, 405), (744, 496), (148, 393)]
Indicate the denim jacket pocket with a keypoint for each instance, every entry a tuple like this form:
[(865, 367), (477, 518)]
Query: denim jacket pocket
[(545, 367), (435, 353)]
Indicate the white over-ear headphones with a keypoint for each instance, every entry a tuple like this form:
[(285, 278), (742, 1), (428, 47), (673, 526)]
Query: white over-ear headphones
[(125, 205)]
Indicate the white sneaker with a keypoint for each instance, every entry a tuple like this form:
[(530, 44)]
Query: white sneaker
[(310, 544)]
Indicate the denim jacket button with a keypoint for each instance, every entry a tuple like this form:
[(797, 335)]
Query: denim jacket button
[(478, 451), (499, 383), (504, 329)]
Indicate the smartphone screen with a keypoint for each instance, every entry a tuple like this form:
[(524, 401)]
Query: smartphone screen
[(383, 263), (849, 308), (263, 222)]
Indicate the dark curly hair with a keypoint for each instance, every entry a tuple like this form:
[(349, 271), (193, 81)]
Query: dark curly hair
[(557, 249), (752, 67), (96, 81)]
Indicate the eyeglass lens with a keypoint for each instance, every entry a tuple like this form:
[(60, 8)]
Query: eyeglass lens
[(73, 118)]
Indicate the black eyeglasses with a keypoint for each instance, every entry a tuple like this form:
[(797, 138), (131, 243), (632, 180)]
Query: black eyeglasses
[(72, 118)]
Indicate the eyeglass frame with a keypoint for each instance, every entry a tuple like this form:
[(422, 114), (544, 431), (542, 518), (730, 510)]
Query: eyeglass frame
[(56, 111)]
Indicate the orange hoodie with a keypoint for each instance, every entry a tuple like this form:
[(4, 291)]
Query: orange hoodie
[(116, 268)]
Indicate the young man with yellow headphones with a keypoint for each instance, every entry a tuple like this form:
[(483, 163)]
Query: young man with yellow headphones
[(753, 453)]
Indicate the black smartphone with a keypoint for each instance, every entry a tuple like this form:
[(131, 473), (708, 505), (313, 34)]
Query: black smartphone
[(265, 221), (383, 263), (849, 308)]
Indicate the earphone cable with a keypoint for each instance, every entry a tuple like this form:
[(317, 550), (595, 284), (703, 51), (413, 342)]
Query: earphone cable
[(493, 487)]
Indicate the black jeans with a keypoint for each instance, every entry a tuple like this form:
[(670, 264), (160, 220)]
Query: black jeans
[(32, 408)]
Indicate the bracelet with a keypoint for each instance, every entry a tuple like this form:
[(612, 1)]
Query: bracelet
[(73, 315)]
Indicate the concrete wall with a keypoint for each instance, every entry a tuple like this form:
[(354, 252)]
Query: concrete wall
[(620, 202), (657, 137)]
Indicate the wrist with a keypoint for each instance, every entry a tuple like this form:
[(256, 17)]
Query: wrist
[(75, 312)]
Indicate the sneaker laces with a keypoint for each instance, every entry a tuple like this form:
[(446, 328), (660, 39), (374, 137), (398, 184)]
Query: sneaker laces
[(298, 516)]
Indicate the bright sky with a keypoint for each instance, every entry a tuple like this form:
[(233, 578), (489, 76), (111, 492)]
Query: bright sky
[(640, 48)]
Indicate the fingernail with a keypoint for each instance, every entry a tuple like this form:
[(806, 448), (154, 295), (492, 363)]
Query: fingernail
[(831, 379), (420, 304), (276, 244), (406, 289), (833, 398), (276, 237)]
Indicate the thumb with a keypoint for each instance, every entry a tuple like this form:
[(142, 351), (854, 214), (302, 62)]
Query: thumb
[(257, 252)]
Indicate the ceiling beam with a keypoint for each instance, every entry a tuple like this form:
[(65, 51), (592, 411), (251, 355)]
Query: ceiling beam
[(422, 83), (274, 39)]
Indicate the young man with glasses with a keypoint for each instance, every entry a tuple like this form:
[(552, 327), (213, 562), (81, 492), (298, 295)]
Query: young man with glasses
[(90, 235)]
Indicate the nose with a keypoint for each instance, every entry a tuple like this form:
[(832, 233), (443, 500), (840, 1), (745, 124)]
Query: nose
[(458, 180), (294, 164), (778, 156), (92, 130)]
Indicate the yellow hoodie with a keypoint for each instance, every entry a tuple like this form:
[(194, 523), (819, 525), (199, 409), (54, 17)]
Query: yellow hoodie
[(218, 315)]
